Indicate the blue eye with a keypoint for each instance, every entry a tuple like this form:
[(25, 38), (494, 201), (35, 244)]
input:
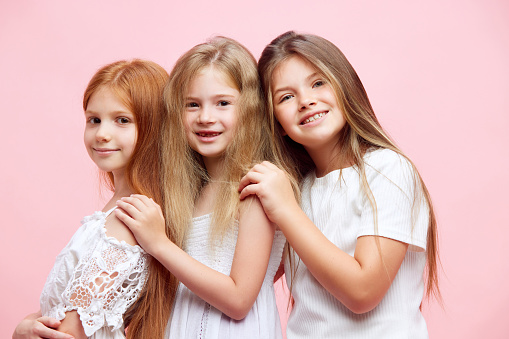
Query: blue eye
[(286, 97)]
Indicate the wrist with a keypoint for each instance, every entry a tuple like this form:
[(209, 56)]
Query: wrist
[(288, 216), (158, 247)]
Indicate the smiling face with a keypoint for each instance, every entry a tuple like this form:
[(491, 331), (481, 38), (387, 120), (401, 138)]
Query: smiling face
[(110, 131), (306, 107), (210, 113)]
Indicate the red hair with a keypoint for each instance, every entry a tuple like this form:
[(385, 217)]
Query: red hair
[(139, 84)]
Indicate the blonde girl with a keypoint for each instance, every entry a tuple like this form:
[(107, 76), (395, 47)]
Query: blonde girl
[(365, 229), (103, 278), (217, 130)]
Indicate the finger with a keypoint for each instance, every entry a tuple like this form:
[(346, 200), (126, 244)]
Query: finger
[(132, 210), (149, 202), (143, 198), (269, 165), (250, 178), (251, 189), (46, 332), (125, 218), (49, 322), (135, 201)]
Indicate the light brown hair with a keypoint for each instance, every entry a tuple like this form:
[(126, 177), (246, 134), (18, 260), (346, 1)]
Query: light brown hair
[(361, 132), (139, 84), (251, 143)]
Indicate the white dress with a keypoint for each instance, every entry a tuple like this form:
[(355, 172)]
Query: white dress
[(341, 211), (193, 318), (98, 276)]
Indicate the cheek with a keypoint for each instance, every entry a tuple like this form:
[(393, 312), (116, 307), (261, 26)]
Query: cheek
[(281, 117), (188, 122), (87, 137), (233, 120)]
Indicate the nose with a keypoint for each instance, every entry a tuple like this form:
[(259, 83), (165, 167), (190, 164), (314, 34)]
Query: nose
[(103, 133), (206, 116), (306, 101)]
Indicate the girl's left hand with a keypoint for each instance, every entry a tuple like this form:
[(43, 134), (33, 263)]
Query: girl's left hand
[(144, 218)]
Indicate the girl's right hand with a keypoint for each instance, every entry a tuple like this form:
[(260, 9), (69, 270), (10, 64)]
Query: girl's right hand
[(35, 326), (272, 187)]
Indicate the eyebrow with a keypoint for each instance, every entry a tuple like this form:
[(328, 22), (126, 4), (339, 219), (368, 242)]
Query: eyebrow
[(215, 97), (287, 88), (113, 112)]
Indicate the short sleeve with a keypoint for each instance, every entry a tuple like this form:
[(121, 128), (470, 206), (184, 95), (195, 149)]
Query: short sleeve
[(402, 212), (105, 283)]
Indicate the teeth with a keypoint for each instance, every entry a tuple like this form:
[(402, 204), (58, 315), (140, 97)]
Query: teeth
[(208, 134), (313, 118)]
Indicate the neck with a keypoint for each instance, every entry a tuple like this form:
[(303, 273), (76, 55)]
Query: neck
[(214, 168), (122, 189), (328, 160)]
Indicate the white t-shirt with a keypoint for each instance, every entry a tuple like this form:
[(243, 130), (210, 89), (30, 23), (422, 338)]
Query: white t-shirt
[(343, 213)]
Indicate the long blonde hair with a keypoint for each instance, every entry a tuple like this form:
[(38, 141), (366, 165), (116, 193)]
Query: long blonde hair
[(361, 132), (184, 173), (139, 84)]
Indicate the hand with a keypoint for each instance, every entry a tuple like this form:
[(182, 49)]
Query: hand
[(144, 218), (273, 189), (35, 326)]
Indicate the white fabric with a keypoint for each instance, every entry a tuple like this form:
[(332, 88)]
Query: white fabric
[(98, 276), (343, 213), (193, 318)]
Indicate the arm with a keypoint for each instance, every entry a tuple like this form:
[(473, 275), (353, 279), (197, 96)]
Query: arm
[(234, 295), (359, 282), (34, 326), (71, 324), (105, 282)]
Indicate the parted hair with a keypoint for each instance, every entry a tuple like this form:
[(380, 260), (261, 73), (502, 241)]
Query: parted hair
[(251, 143), (139, 85), (362, 130)]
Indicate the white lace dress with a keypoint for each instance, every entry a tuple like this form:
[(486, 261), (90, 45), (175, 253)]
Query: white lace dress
[(193, 318), (98, 276)]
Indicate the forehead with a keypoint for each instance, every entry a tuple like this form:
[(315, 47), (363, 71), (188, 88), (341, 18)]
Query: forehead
[(292, 69), (107, 99), (211, 76)]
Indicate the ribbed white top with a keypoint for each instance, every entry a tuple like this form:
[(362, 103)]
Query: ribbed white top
[(341, 211)]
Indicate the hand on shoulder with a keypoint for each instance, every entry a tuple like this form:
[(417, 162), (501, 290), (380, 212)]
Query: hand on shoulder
[(272, 187)]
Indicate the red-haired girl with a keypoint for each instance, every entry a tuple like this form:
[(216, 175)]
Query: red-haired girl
[(103, 279)]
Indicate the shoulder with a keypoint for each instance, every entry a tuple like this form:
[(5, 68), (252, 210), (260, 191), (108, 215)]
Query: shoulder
[(384, 157), (118, 230), (388, 163), (387, 171), (251, 212), (250, 206)]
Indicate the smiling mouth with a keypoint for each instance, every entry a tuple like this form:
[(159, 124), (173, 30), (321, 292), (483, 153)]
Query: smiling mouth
[(208, 134), (105, 151), (313, 118)]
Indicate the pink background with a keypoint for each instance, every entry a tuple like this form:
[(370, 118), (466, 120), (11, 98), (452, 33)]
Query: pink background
[(436, 71)]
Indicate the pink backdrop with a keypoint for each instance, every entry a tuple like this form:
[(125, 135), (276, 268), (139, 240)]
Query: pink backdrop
[(436, 71)]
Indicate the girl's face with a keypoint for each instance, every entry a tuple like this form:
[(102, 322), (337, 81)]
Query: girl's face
[(110, 131), (306, 107), (210, 113)]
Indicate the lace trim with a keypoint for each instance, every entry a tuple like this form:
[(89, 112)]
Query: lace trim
[(106, 282), (101, 216)]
